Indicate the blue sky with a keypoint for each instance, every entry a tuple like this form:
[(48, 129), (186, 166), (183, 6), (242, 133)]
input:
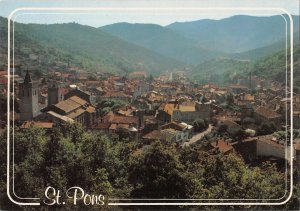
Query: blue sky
[(161, 17)]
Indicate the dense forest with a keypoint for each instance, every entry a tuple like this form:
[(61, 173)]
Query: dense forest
[(56, 46), (271, 67), (99, 163)]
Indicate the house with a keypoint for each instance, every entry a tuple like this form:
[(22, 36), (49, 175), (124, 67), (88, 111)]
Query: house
[(100, 126), (222, 146), (236, 88), (227, 123), (123, 125), (44, 125), (150, 124), (296, 119), (297, 154), (138, 74), (162, 135), (262, 114), (116, 96), (262, 146), (182, 131), (152, 136), (184, 112)]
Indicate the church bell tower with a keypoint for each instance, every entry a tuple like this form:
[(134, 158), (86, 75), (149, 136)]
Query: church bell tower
[(28, 94)]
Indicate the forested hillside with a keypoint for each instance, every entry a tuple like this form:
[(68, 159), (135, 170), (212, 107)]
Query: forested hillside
[(235, 34), (162, 40), (85, 46), (273, 66)]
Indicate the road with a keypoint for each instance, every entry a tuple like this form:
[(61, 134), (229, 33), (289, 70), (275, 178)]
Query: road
[(197, 136)]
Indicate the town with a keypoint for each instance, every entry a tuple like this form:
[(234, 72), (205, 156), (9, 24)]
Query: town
[(248, 117)]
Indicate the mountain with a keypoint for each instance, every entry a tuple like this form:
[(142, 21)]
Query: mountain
[(274, 66), (259, 53), (92, 48), (161, 40), (235, 34), (219, 70), (224, 70)]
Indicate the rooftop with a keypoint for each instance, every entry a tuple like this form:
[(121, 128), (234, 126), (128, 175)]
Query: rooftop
[(45, 125), (269, 114), (222, 145)]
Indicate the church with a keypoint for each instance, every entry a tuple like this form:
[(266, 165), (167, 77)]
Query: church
[(74, 106), (28, 95)]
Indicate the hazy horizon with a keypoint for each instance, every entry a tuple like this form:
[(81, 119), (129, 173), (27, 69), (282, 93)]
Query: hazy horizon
[(160, 13), (150, 23)]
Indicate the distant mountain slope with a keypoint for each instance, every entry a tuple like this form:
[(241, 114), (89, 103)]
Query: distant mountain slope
[(100, 50), (272, 67), (235, 34), (161, 40), (259, 53), (219, 70)]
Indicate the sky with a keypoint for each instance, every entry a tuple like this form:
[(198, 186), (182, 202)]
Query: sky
[(162, 12)]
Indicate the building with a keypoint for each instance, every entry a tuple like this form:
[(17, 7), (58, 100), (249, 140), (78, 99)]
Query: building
[(116, 96), (71, 109), (222, 146), (262, 114), (184, 112), (54, 94), (237, 88), (28, 94), (48, 126), (81, 94), (182, 130), (262, 146)]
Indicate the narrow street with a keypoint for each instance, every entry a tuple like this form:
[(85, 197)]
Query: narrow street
[(197, 136)]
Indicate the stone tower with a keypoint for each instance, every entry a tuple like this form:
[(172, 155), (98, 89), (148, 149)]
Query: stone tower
[(54, 94), (29, 106)]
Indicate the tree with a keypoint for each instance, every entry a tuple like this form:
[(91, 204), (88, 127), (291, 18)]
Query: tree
[(200, 125), (266, 128), (238, 134), (150, 79), (29, 159), (222, 128), (98, 163), (229, 99), (157, 173)]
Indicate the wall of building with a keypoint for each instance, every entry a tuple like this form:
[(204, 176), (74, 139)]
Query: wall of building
[(265, 149), (29, 107)]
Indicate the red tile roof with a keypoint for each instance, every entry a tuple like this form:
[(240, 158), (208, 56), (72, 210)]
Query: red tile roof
[(45, 125), (222, 146)]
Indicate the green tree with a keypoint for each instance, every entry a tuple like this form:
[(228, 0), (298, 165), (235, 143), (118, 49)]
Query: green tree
[(266, 128), (200, 125), (157, 173), (29, 148)]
